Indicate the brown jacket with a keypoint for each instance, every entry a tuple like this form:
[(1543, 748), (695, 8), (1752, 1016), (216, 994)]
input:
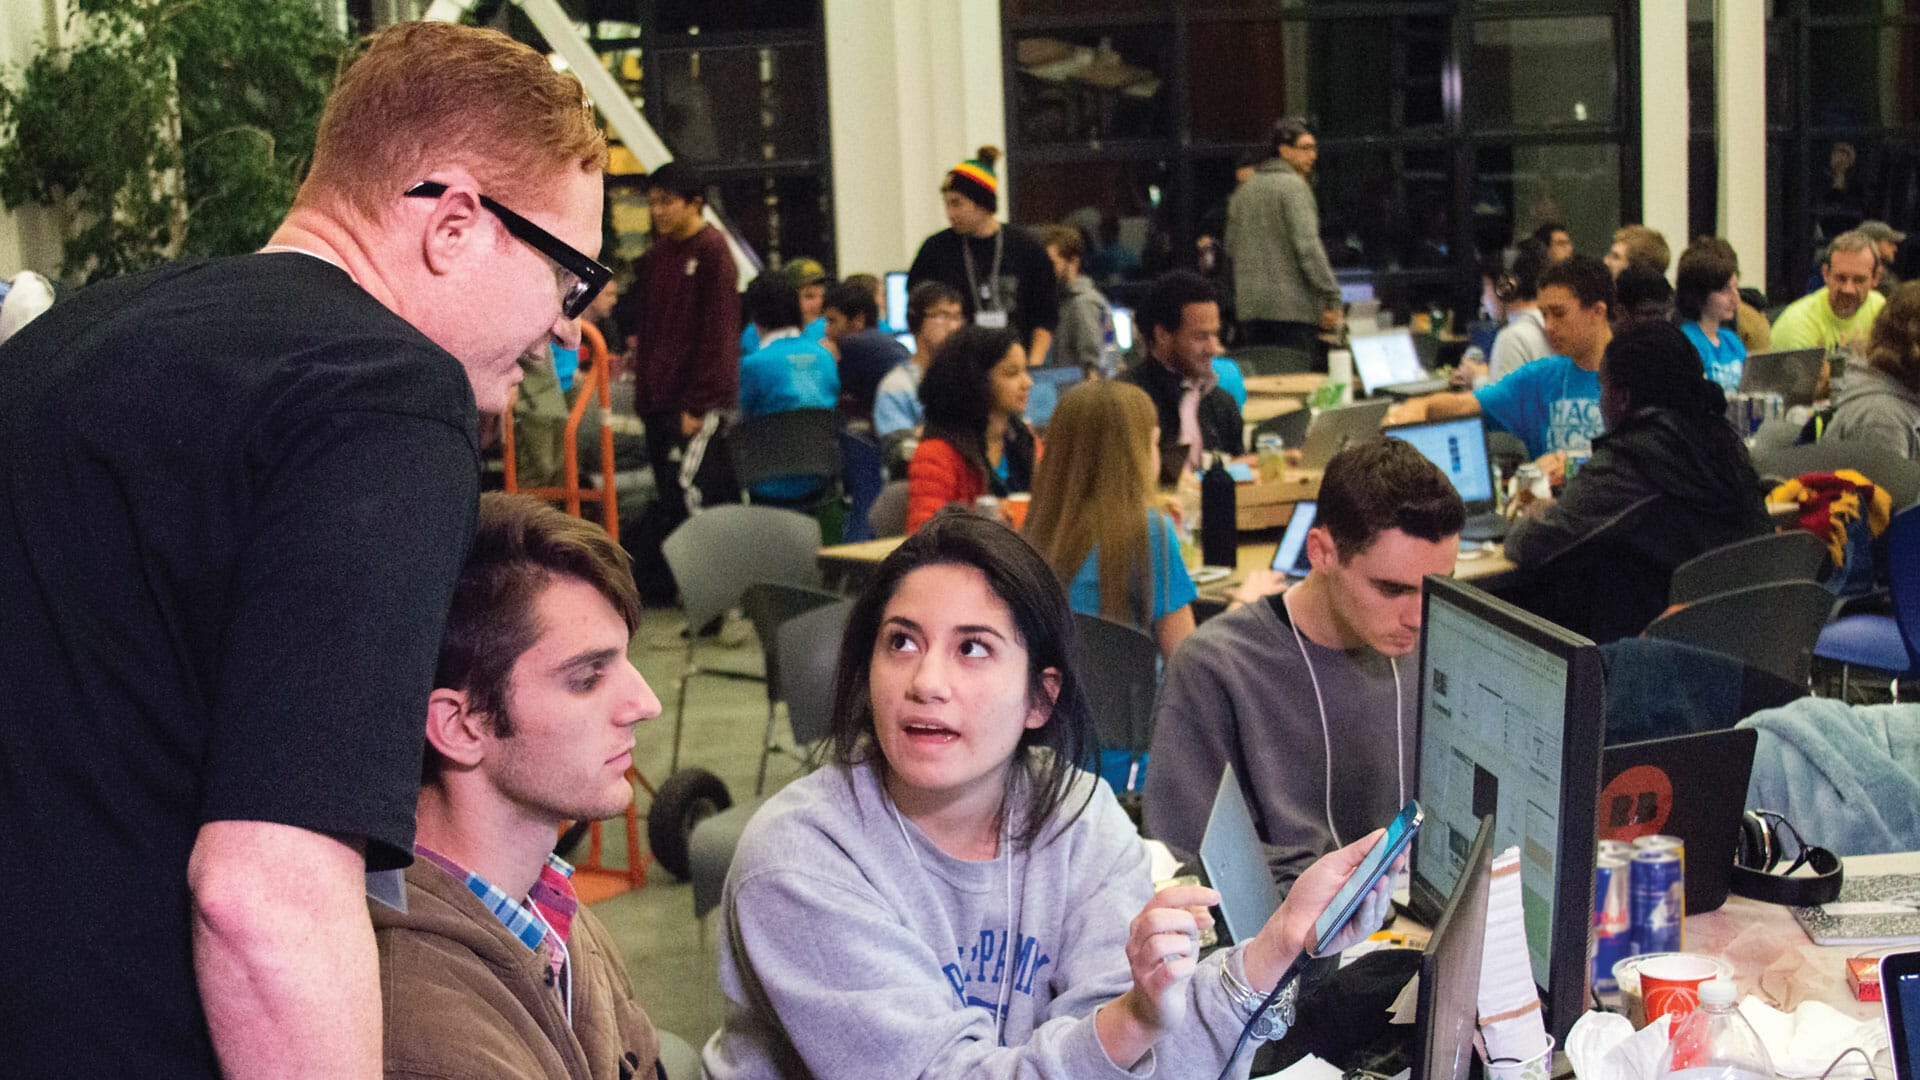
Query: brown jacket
[(464, 998)]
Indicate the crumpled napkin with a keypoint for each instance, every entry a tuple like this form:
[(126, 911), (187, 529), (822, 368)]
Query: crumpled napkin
[(1802, 1043), (1604, 1046)]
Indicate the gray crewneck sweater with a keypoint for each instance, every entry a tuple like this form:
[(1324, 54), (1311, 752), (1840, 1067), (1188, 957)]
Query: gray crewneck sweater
[(853, 947), (1238, 692)]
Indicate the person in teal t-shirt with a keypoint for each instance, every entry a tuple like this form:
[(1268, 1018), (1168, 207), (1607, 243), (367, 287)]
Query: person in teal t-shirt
[(1707, 296), (787, 372)]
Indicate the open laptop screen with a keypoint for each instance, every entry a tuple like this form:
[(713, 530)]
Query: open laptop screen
[(1459, 448), (1386, 359)]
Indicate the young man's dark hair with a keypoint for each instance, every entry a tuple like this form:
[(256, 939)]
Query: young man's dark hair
[(1586, 277), (1287, 131), (1383, 484), (1065, 240), (853, 300), (1544, 233), (1641, 294), (519, 546), (1703, 272), (678, 178), (1169, 297), (923, 298), (1522, 281), (772, 302)]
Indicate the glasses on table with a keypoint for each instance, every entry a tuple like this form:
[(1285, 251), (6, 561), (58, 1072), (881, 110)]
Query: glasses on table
[(581, 277)]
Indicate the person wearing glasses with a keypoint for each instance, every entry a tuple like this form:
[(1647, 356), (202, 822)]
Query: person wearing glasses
[(237, 495), (950, 895), (685, 336), (1284, 289)]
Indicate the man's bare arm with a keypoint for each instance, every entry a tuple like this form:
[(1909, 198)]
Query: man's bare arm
[(283, 950)]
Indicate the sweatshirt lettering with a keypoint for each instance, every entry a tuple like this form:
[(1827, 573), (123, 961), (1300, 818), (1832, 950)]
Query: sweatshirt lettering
[(981, 967)]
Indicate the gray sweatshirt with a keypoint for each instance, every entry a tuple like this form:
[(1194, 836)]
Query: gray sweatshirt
[(1522, 341), (1238, 692), (1874, 407), (1280, 269), (1084, 337), (853, 947)]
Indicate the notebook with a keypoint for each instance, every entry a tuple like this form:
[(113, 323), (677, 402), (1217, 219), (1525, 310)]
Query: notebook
[(1794, 375), (1236, 863), (1876, 909), (1388, 363), (1690, 786), (1333, 429)]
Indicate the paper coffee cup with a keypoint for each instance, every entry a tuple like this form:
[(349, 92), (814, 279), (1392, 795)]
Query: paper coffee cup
[(1537, 1067), (1016, 507), (1670, 985)]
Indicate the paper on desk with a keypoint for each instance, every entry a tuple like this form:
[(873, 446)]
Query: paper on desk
[(1604, 1046), (1307, 1068), (1804, 1042), (1510, 1019)]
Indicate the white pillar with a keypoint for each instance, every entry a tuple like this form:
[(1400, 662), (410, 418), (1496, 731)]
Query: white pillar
[(29, 236), (913, 87), (1740, 91), (1663, 119)]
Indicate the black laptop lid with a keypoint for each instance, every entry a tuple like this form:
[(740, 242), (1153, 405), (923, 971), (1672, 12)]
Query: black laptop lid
[(1690, 786)]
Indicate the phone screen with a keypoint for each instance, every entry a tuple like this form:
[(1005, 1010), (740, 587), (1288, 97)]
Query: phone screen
[(1900, 990), (1378, 862)]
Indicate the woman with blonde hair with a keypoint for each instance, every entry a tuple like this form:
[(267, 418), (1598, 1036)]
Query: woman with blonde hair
[(1093, 516)]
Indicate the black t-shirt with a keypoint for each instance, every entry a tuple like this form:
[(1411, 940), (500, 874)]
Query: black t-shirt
[(1026, 288), (865, 359), (233, 499)]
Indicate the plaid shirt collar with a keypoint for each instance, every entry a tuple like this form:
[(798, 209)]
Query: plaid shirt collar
[(552, 897)]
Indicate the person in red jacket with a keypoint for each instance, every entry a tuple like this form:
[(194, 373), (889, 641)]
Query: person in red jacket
[(975, 442)]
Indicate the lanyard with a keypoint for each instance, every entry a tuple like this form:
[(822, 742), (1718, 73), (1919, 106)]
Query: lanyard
[(985, 296)]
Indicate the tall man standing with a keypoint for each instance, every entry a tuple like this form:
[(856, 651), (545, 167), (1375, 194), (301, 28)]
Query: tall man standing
[(1284, 289), (686, 365), (225, 568)]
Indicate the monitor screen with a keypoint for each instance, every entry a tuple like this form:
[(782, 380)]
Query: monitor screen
[(1290, 558), (1123, 328), (1459, 448), (1511, 716), (1386, 359), (1353, 292), (896, 313), (1448, 1009)]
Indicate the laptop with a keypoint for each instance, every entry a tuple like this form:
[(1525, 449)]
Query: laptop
[(1123, 328), (1387, 362), (896, 294), (1794, 375), (1690, 786), (1333, 429), (1447, 1006), (1236, 863), (1048, 384), (1290, 558), (1459, 448)]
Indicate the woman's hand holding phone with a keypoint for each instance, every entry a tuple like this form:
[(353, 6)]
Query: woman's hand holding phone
[(1290, 931)]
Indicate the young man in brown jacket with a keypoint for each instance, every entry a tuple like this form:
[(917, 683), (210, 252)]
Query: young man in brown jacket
[(495, 968)]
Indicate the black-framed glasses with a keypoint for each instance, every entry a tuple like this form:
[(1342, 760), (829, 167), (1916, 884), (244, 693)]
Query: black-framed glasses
[(588, 277)]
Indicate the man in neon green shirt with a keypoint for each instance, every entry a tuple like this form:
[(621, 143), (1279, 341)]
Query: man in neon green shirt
[(1839, 316)]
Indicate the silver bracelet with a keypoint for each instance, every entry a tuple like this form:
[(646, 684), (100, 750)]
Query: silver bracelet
[(1276, 1020)]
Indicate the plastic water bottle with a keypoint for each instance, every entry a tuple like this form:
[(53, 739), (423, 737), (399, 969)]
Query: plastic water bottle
[(1715, 1042)]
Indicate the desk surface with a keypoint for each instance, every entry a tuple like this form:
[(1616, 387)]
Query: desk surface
[(1299, 385)]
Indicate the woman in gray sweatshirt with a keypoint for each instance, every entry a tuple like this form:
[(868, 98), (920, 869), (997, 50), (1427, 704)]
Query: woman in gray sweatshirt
[(951, 896)]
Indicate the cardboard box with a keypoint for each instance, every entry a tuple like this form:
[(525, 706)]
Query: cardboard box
[(1863, 975), (1267, 505)]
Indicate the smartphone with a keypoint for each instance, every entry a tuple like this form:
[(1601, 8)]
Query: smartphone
[(1378, 863), (1900, 993)]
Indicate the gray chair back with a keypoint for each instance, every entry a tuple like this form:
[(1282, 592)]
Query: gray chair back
[(809, 648), (710, 853), (1771, 627), (1794, 555), (800, 442), (1890, 472), (717, 553), (769, 605), (1119, 671), (888, 515)]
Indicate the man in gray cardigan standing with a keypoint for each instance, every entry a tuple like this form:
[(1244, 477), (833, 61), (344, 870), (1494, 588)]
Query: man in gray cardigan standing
[(1284, 287)]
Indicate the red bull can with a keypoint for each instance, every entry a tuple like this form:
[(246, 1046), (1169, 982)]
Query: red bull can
[(1657, 899), (1617, 848), (1612, 916)]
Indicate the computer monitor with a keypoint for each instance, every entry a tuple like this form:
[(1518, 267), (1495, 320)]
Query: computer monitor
[(1459, 448), (1447, 1011), (1123, 328), (896, 313), (1353, 292), (1512, 711), (1387, 358)]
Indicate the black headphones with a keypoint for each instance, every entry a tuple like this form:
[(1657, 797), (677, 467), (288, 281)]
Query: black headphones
[(1759, 851)]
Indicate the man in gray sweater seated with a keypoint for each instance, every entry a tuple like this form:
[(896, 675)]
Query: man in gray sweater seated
[(1310, 694)]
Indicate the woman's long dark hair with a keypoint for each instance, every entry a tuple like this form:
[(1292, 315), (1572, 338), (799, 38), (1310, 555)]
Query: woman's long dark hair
[(1655, 365), (957, 390), (1044, 759)]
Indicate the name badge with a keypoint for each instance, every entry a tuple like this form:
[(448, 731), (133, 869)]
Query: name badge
[(992, 320)]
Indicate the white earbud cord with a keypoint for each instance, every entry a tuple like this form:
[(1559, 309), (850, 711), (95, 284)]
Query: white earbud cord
[(1012, 942), (1326, 735)]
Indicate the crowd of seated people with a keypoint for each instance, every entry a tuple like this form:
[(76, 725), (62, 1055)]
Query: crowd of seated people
[(951, 882)]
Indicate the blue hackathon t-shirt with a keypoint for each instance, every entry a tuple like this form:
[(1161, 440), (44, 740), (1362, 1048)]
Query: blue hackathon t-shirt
[(1724, 363), (1551, 404), (1172, 586)]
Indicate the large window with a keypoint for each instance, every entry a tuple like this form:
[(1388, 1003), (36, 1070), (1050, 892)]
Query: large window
[(1446, 127)]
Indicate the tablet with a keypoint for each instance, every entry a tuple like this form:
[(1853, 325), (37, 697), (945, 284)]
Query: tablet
[(1900, 993), (1290, 558)]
